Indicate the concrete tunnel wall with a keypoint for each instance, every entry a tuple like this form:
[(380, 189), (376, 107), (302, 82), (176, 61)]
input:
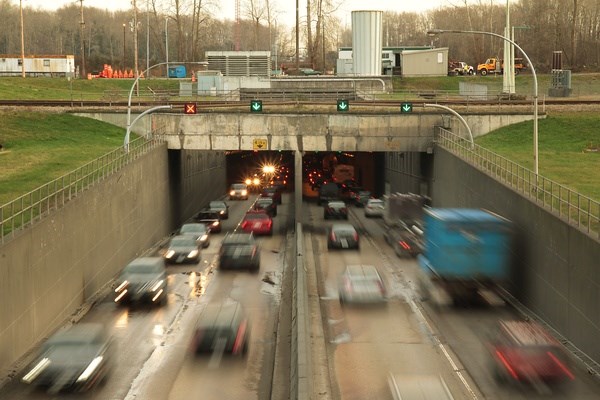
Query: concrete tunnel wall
[(53, 268)]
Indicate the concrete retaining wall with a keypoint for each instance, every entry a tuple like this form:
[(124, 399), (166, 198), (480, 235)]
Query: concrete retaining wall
[(556, 272), (51, 269)]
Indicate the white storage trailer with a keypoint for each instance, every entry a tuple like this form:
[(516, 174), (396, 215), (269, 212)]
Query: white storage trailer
[(42, 65)]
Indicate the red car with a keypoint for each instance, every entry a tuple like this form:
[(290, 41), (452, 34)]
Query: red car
[(524, 352), (258, 222)]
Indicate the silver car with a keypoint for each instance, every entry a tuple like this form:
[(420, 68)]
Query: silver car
[(374, 208), (362, 284), (199, 231)]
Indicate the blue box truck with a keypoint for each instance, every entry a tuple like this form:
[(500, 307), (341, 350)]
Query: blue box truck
[(466, 255)]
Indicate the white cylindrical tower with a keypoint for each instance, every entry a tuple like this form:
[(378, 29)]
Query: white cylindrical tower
[(367, 34)]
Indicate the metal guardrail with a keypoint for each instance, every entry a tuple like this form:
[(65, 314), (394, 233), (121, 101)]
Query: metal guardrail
[(579, 210), (39, 203)]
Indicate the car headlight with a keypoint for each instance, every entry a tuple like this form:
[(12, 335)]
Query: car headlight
[(35, 371), (256, 181), (244, 192), (204, 238), (90, 369), (193, 254), (170, 254), (222, 212), (232, 193), (122, 286), (248, 181), (157, 285)]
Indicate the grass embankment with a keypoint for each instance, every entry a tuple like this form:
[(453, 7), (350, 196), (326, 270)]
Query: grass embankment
[(38, 148)]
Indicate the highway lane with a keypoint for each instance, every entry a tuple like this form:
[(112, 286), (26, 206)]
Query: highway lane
[(410, 336), (152, 358)]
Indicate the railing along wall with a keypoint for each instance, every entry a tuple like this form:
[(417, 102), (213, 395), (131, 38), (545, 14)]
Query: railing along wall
[(579, 210), (39, 203)]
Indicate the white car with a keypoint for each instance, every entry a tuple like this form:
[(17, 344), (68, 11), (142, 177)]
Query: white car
[(374, 208), (362, 284)]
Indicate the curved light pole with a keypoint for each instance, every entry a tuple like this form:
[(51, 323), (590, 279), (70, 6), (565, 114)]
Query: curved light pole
[(435, 32), (458, 116), (135, 83)]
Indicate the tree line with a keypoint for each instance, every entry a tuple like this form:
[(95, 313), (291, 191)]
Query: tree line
[(189, 28)]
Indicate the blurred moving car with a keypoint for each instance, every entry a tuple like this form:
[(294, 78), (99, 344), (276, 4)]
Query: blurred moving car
[(199, 231), (335, 209), (360, 198), (374, 208), (222, 328), (524, 352), (342, 236), (143, 280), (406, 241), (211, 218), (238, 191), (272, 192), (221, 207), (258, 222), (418, 387), (75, 359), (361, 284), (182, 249), (239, 251), (267, 204)]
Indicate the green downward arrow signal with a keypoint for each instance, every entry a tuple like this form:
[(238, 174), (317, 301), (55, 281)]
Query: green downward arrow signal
[(342, 105), (406, 107), (256, 106)]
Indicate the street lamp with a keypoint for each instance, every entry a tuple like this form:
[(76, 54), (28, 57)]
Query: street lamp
[(133, 86), (458, 116), (435, 32)]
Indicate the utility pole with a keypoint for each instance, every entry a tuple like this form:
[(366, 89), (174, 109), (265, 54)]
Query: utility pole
[(135, 38), (22, 41), (297, 35), (123, 62), (147, 35), (82, 41)]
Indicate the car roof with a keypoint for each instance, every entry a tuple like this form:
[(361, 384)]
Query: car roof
[(343, 227), (362, 271), (238, 238), (375, 201), (196, 226), (222, 314), (88, 332), (336, 202), (183, 240), (141, 263), (526, 333)]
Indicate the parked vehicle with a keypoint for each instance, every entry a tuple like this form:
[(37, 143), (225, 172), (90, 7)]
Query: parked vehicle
[(267, 204), (361, 284), (75, 359), (200, 232), (222, 328), (239, 251), (143, 280), (466, 254), (182, 249), (495, 65), (238, 191), (374, 208), (524, 352), (342, 236), (460, 68), (335, 209)]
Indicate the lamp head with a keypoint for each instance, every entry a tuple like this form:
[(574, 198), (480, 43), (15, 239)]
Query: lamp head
[(434, 32)]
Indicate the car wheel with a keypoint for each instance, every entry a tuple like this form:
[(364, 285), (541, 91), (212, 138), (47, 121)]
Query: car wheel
[(325, 216)]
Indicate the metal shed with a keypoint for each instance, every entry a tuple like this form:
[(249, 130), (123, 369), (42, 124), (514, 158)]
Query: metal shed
[(433, 62)]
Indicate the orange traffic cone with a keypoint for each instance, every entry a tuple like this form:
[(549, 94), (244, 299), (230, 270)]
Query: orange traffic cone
[(193, 77)]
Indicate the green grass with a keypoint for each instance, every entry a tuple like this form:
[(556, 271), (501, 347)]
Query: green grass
[(562, 143), (40, 147)]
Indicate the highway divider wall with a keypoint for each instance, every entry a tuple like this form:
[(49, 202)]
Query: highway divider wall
[(54, 269)]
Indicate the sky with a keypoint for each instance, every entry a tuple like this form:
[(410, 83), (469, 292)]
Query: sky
[(287, 7)]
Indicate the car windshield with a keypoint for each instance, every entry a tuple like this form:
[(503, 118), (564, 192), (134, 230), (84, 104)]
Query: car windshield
[(183, 241), (336, 204), (217, 204), (376, 203), (264, 202), (238, 186), (141, 269), (193, 228)]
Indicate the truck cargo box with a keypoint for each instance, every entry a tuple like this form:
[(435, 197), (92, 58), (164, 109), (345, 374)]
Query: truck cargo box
[(466, 244)]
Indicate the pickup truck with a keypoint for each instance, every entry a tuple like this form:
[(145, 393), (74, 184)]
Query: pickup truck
[(495, 65)]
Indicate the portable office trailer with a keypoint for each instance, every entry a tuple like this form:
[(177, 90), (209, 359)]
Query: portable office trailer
[(42, 65)]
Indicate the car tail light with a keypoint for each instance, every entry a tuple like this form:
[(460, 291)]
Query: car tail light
[(356, 236), (244, 224), (238, 344), (404, 245), (332, 236), (561, 365), (381, 288), (504, 362)]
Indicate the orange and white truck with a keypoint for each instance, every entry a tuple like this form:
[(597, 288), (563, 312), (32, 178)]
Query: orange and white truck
[(495, 65)]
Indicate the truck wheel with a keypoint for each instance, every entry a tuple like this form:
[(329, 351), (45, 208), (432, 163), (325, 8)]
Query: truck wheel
[(484, 72), (517, 71)]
